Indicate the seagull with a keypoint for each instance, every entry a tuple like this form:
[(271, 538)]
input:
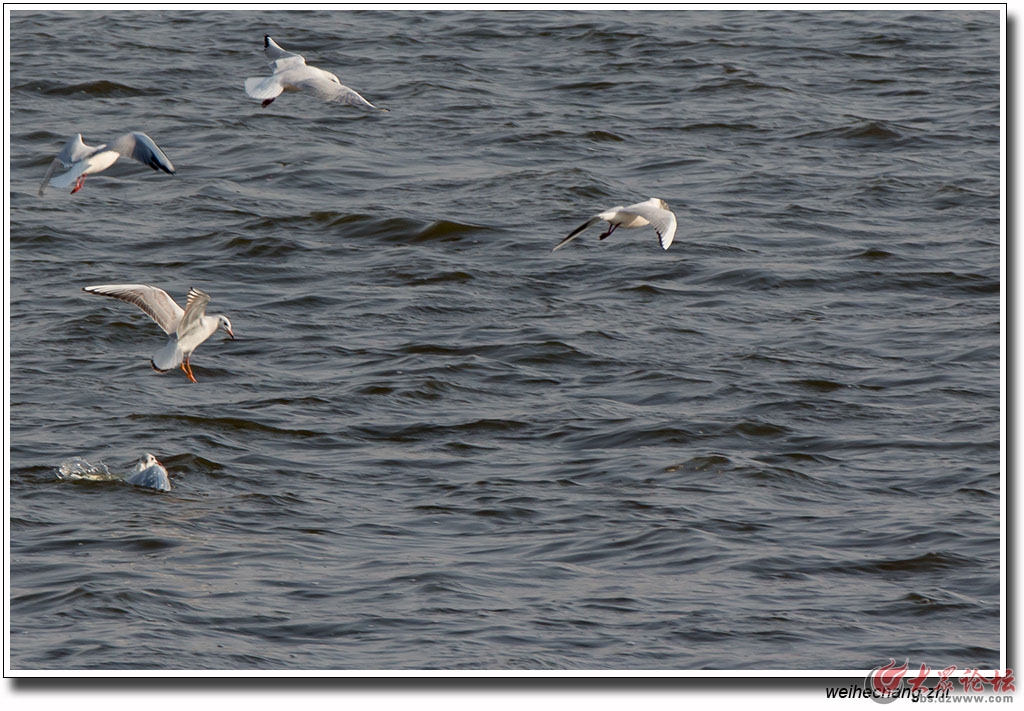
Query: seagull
[(85, 160), (149, 472), (654, 212), (188, 328), (291, 73)]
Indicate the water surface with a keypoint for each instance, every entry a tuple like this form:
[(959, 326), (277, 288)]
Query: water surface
[(435, 444)]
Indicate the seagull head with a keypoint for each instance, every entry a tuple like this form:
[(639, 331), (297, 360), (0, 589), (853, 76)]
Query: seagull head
[(224, 323)]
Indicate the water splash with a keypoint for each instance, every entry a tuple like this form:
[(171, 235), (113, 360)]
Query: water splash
[(148, 472)]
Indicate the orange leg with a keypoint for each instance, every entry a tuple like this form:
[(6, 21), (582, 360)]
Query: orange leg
[(78, 184), (188, 370)]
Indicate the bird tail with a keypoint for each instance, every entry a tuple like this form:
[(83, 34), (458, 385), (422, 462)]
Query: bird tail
[(263, 87), (168, 357), (66, 180)]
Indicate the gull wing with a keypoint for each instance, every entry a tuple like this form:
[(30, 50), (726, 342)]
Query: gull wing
[(195, 309), (663, 221), (143, 149), (333, 90), (54, 164), (73, 151), (572, 235), (155, 302), (280, 58)]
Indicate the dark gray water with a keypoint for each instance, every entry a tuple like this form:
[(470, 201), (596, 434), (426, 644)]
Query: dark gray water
[(435, 444)]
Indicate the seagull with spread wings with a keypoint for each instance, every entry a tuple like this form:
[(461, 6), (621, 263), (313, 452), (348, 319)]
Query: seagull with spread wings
[(654, 212), (188, 328), (291, 73), (82, 160)]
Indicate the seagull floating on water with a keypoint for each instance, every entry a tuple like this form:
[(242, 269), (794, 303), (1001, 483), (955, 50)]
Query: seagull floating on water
[(654, 212), (149, 472), (291, 73), (188, 328), (85, 160)]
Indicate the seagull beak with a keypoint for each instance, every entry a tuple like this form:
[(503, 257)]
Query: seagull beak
[(230, 333)]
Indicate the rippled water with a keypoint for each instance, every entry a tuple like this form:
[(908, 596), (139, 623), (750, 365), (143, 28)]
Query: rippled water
[(435, 444)]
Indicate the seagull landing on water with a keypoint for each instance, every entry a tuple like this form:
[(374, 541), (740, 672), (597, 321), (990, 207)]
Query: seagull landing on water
[(188, 328), (85, 160), (291, 73), (654, 212)]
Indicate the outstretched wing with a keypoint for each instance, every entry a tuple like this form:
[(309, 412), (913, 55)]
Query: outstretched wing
[(328, 88), (280, 58), (143, 149), (663, 221), (155, 302), (74, 150), (54, 164), (572, 235)]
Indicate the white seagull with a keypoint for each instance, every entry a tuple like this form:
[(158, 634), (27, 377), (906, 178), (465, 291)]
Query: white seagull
[(85, 160), (149, 472), (188, 328), (654, 212), (291, 73)]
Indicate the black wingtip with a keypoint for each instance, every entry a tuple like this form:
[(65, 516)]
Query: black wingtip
[(266, 41)]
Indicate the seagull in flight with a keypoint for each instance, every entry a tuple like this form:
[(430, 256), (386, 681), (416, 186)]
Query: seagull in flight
[(654, 212), (291, 73), (83, 160), (188, 328)]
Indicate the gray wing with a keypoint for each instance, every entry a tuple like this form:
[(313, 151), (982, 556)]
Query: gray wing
[(143, 149), (155, 302), (572, 235), (663, 221), (74, 150), (54, 164), (335, 91), (195, 309), (278, 57)]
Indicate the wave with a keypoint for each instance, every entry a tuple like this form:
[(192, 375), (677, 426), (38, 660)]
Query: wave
[(101, 89)]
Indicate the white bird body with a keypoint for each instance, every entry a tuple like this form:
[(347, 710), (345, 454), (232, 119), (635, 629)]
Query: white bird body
[(291, 73), (149, 472), (654, 212), (188, 328), (83, 160)]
